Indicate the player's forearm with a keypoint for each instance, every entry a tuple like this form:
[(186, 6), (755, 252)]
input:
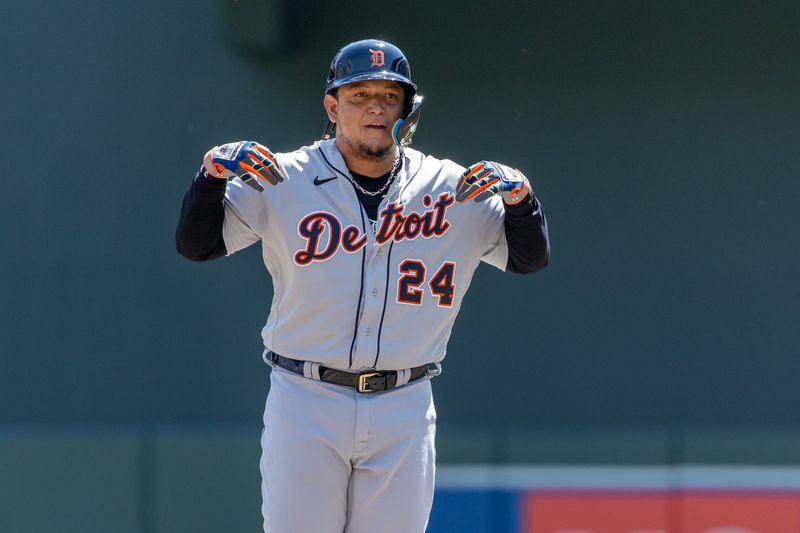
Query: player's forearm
[(199, 233), (527, 238)]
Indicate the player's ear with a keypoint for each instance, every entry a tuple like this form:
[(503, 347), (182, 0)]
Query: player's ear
[(331, 107)]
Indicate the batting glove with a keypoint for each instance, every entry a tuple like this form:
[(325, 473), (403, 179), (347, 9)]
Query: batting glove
[(487, 178), (246, 160)]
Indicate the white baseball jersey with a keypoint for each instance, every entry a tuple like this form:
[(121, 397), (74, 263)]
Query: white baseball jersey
[(350, 295)]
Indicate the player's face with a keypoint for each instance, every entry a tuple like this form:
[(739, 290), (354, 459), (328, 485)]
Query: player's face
[(364, 113)]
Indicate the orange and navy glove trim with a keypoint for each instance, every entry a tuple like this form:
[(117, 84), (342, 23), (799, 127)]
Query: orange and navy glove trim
[(487, 178)]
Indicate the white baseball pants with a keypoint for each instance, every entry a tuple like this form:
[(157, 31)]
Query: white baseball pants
[(336, 461)]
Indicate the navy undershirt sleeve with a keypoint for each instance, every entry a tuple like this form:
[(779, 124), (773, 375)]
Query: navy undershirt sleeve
[(527, 237), (199, 233)]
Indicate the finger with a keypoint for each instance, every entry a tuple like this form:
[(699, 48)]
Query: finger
[(464, 189), (275, 172), (488, 193), (261, 166), (270, 163), (252, 182), (255, 172), (273, 176), (469, 177), (462, 186), (260, 163), (472, 171), (266, 153), (468, 192), (480, 188), (477, 180)]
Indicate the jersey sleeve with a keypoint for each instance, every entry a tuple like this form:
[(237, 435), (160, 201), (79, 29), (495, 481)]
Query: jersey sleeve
[(245, 215), (492, 236)]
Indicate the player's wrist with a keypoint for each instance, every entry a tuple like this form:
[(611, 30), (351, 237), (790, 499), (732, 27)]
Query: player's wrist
[(516, 201), (210, 177), (213, 179), (209, 183), (522, 208)]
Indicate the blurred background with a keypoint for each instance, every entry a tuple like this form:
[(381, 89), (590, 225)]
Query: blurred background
[(654, 386)]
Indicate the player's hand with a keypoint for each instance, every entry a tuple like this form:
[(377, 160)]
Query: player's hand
[(246, 160), (487, 178)]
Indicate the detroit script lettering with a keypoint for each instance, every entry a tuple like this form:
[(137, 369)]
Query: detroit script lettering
[(394, 225)]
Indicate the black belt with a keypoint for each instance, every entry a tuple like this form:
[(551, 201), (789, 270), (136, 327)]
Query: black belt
[(366, 381)]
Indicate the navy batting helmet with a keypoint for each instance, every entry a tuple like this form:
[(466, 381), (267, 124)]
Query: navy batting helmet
[(371, 59)]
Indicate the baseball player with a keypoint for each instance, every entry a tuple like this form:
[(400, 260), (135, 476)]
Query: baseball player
[(371, 246)]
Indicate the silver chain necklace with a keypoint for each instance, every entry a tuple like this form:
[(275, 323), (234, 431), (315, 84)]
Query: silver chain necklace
[(398, 157)]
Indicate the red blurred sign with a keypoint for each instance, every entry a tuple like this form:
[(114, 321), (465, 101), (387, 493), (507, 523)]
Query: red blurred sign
[(741, 513), (660, 512)]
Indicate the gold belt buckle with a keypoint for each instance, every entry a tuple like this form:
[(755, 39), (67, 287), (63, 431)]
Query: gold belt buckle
[(362, 381)]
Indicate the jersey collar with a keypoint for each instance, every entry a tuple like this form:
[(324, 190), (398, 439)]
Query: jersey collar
[(411, 164)]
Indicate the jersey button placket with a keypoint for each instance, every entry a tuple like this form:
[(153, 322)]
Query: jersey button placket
[(374, 290), (364, 355)]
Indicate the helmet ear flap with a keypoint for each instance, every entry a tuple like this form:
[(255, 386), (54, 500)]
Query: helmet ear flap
[(410, 96), (404, 128)]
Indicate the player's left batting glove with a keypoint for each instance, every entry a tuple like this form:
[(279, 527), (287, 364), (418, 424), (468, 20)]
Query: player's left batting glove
[(487, 178), (246, 160)]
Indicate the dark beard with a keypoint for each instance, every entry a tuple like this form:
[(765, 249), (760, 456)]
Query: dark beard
[(368, 153)]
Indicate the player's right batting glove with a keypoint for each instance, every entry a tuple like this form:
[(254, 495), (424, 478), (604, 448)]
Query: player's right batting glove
[(487, 178), (246, 160)]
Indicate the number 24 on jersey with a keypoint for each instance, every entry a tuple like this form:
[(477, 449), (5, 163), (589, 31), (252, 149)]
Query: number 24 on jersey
[(410, 288)]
